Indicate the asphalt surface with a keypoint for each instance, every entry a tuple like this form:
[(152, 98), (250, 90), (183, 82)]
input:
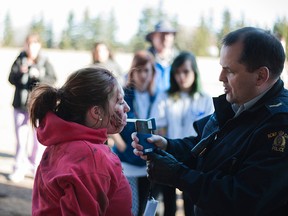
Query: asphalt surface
[(15, 198)]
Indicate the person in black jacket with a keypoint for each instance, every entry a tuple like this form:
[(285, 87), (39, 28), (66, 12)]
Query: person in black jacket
[(237, 164), (29, 69)]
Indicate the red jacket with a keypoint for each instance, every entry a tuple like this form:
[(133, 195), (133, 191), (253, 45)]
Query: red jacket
[(78, 173)]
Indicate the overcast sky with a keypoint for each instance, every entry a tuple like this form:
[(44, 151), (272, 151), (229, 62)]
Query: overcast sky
[(256, 12)]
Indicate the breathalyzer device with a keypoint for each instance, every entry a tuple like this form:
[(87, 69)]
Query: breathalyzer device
[(145, 129)]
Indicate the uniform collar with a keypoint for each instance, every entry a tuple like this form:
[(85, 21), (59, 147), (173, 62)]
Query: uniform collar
[(224, 111)]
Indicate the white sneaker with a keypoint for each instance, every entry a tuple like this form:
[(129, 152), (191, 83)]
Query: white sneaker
[(17, 176)]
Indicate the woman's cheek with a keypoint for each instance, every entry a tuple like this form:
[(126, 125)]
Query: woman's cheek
[(116, 120)]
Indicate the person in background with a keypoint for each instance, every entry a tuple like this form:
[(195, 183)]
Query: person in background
[(78, 173), (102, 56), (284, 74), (162, 41), (29, 69), (177, 109), (237, 164), (140, 96)]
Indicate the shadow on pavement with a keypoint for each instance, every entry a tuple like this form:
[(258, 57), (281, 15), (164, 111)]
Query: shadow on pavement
[(14, 199), (6, 155)]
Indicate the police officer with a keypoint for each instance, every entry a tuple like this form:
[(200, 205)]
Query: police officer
[(238, 163)]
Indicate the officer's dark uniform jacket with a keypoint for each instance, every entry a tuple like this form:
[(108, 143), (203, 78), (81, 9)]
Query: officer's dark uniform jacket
[(243, 165)]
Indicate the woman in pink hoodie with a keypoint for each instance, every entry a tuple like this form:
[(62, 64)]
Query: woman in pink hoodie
[(78, 173)]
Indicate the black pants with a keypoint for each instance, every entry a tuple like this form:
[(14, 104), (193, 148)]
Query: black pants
[(169, 198), (170, 206), (143, 191)]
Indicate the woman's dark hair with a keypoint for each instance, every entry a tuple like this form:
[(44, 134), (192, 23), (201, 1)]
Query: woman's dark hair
[(84, 88), (260, 48), (178, 61)]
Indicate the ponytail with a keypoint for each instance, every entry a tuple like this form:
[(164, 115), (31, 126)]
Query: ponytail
[(42, 99)]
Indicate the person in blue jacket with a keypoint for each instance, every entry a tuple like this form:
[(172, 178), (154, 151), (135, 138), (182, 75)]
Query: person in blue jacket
[(238, 162), (163, 48)]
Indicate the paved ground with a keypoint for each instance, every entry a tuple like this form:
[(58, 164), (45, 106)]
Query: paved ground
[(15, 199)]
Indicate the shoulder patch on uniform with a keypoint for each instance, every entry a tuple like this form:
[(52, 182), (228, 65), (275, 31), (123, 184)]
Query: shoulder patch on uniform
[(279, 140)]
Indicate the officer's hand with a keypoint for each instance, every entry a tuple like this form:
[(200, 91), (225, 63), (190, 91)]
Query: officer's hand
[(163, 168), (157, 140)]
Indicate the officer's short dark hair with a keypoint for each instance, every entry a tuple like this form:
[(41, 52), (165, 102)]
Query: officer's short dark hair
[(260, 48)]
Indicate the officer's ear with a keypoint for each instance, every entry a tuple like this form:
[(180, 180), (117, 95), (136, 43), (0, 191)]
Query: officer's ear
[(262, 75)]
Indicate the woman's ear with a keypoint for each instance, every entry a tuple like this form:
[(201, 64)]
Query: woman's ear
[(95, 112), (93, 117), (263, 75)]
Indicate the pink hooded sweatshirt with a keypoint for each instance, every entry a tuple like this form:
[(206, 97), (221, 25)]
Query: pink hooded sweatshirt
[(78, 173)]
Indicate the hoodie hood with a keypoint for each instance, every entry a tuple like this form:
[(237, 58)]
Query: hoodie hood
[(54, 130)]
